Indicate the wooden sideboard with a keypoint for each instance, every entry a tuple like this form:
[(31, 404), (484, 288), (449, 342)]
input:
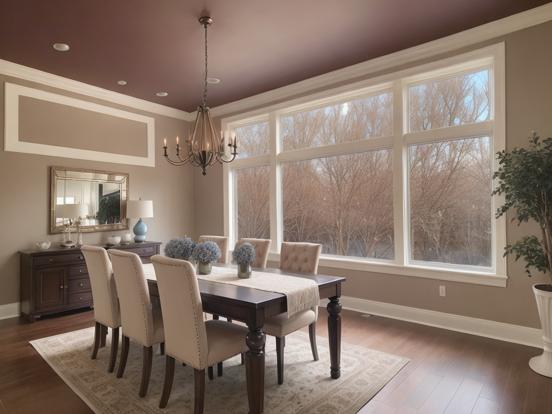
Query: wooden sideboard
[(56, 280)]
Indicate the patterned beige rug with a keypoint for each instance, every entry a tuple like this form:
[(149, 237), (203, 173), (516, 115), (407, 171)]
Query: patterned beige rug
[(307, 387)]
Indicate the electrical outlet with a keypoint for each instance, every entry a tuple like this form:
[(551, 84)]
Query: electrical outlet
[(442, 290)]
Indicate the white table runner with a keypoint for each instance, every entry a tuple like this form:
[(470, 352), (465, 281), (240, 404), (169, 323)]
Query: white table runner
[(301, 293)]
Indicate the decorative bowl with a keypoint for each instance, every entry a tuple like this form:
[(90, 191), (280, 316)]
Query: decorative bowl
[(127, 238), (113, 240), (43, 245)]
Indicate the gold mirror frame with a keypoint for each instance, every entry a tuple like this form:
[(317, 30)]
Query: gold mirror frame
[(89, 176)]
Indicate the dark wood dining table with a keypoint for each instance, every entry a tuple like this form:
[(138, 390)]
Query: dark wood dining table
[(253, 307)]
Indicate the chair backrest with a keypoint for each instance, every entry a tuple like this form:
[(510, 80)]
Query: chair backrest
[(104, 293), (300, 257), (185, 333), (262, 247), (134, 298), (222, 243)]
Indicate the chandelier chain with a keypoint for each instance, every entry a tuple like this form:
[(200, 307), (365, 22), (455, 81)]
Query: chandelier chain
[(204, 100)]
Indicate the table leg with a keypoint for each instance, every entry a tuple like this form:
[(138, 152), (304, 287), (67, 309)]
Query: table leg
[(334, 335), (255, 369)]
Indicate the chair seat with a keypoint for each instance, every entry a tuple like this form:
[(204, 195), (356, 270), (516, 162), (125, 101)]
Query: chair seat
[(224, 340), (281, 325)]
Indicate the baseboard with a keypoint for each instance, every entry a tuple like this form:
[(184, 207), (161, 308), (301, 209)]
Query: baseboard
[(475, 326), (10, 310)]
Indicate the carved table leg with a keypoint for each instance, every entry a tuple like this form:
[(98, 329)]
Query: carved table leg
[(255, 369), (334, 335)]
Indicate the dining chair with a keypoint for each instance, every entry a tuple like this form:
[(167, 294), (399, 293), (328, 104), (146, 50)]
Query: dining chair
[(295, 258), (188, 337), (104, 296), (141, 321), (222, 243), (262, 248)]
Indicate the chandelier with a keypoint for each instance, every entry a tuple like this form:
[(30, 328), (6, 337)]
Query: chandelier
[(205, 146)]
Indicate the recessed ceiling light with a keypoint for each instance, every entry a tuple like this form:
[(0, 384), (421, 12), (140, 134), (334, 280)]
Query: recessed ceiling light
[(162, 94), (61, 47), (213, 81), (122, 82)]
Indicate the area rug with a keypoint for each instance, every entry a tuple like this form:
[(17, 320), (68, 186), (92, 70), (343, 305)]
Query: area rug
[(307, 387)]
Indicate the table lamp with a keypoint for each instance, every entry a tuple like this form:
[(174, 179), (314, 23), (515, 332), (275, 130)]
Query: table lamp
[(73, 213), (140, 209)]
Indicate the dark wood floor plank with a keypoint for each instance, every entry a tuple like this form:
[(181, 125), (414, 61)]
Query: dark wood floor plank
[(465, 397)]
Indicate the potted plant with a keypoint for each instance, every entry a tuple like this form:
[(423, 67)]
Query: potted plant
[(180, 248), (244, 255), (205, 254), (525, 179)]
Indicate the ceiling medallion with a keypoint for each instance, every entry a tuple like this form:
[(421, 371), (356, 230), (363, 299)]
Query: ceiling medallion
[(205, 146)]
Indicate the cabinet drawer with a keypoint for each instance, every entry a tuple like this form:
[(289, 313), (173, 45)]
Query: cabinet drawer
[(79, 285), (83, 298), (78, 270), (144, 251), (58, 259)]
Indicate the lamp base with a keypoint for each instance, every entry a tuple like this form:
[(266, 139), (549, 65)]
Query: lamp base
[(140, 230)]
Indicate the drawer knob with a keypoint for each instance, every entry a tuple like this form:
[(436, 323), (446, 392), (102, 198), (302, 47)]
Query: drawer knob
[(81, 284), (61, 287), (80, 270), (50, 260), (80, 257)]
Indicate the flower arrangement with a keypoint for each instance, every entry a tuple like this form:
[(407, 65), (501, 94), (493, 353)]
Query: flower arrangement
[(180, 248), (244, 254), (206, 252)]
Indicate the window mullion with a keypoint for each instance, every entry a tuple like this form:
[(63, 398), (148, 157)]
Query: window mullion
[(400, 224), (275, 193)]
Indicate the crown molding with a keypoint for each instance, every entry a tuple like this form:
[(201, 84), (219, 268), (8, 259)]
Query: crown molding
[(488, 31), (15, 70)]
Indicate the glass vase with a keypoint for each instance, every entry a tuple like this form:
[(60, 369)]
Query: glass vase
[(244, 270), (204, 268)]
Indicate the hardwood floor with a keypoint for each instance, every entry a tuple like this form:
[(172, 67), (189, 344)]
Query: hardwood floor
[(449, 372)]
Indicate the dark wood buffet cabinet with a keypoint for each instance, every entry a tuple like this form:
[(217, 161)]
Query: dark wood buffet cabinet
[(56, 280)]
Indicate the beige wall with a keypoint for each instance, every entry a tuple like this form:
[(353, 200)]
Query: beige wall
[(528, 107), (24, 194)]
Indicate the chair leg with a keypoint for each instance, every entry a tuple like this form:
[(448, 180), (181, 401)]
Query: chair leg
[(162, 348), (210, 373), (97, 335), (114, 348), (242, 358), (312, 336), (199, 390), (169, 377), (103, 336), (146, 370), (229, 320), (215, 317), (280, 343), (219, 369), (124, 356)]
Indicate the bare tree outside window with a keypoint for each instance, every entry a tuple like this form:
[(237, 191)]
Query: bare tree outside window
[(252, 139), (345, 203), (251, 187)]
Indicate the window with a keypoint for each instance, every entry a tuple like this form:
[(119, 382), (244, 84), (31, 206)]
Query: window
[(393, 176), (251, 186), (344, 203)]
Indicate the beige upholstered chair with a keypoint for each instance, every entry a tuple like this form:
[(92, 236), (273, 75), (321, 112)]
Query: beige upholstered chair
[(295, 258), (262, 247), (188, 338), (222, 243), (106, 305), (140, 321)]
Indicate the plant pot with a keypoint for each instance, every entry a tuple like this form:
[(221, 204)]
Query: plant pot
[(542, 364), (204, 268), (244, 271)]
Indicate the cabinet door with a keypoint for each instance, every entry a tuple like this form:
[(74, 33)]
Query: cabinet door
[(50, 288)]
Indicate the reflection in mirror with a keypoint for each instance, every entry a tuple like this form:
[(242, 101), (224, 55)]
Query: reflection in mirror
[(103, 193)]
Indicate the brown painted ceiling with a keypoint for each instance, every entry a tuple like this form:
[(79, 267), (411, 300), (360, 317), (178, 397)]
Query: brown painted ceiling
[(255, 45)]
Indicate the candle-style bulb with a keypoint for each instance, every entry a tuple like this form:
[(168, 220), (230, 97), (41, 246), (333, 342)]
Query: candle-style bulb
[(177, 140), (165, 142)]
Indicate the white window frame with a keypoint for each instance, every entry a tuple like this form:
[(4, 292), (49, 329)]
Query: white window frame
[(488, 57)]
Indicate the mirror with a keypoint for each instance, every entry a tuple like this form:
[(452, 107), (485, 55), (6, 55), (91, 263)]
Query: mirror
[(100, 198)]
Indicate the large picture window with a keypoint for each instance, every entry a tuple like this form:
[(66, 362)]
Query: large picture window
[(392, 176)]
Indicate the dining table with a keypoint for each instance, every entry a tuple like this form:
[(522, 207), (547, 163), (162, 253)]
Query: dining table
[(253, 307)]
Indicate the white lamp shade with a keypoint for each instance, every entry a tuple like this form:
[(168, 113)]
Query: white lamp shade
[(71, 211), (139, 208)]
